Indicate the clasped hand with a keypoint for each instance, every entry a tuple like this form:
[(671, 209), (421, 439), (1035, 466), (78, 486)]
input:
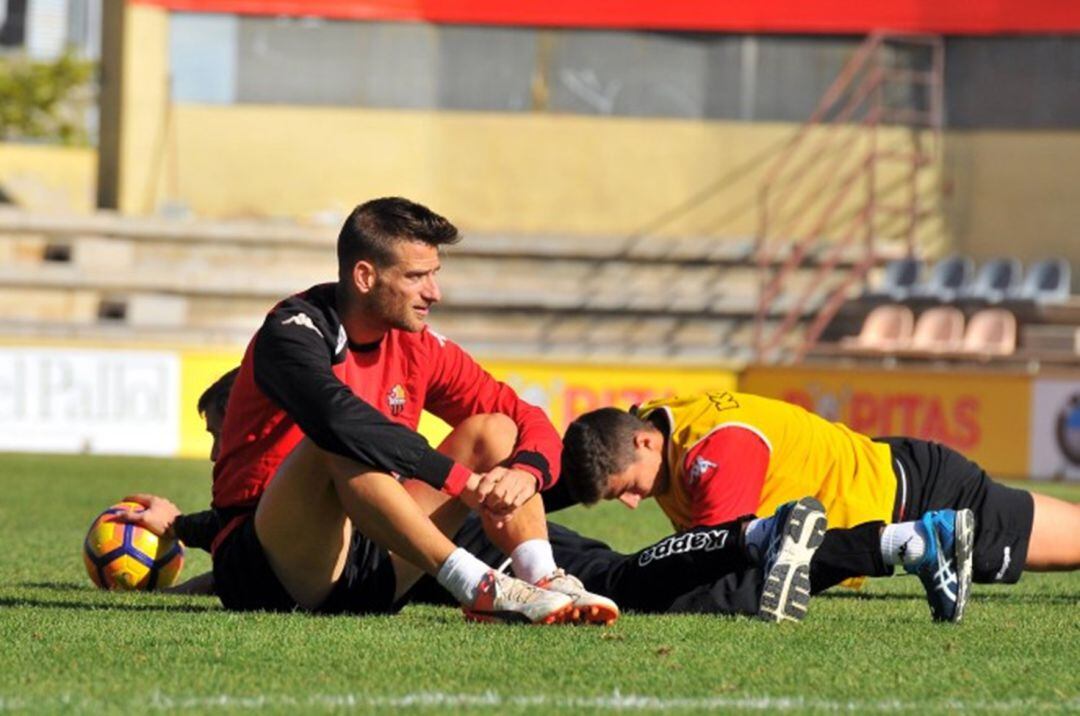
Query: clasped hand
[(499, 492)]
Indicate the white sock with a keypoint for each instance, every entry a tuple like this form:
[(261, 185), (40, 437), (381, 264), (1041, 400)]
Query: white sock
[(460, 574), (903, 543), (756, 537), (533, 560)]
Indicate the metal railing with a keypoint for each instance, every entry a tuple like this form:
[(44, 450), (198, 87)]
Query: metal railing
[(835, 191)]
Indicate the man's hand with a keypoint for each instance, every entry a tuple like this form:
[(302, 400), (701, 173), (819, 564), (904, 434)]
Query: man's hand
[(506, 489), (158, 514), (202, 584)]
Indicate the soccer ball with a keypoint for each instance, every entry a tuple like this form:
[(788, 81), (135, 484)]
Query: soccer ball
[(125, 556)]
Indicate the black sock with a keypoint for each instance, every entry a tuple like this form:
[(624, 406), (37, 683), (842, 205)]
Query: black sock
[(846, 553)]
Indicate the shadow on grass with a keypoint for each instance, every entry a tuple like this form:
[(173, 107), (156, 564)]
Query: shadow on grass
[(55, 586), (1005, 597), (93, 606)]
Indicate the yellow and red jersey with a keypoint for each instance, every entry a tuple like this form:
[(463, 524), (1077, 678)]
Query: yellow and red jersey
[(731, 454)]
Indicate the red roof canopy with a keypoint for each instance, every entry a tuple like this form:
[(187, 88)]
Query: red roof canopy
[(753, 16)]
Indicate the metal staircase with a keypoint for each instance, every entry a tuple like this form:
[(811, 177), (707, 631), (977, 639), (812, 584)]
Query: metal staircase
[(859, 182)]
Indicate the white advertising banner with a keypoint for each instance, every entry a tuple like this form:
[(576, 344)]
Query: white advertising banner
[(92, 401), (1055, 429)]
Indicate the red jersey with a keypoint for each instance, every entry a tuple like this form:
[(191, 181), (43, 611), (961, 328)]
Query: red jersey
[(301, 376)]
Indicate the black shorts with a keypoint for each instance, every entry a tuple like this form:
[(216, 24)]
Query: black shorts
[(931, 476), (244, 580)]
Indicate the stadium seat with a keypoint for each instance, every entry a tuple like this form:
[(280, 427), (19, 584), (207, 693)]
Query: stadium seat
[(996, 280), (901, 278), (886, 328), (948, 279), (939, 329), (991, 331), (1047, 281)]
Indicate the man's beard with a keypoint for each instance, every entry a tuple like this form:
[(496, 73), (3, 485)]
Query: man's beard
[(396, 315)]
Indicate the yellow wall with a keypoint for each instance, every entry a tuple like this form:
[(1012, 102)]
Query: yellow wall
[(1015, 193), (48, 178), (489, 172), (144, 100)]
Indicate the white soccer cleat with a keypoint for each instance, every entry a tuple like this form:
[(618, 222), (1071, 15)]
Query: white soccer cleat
[(798, 529), (507, 600), (589, 608)]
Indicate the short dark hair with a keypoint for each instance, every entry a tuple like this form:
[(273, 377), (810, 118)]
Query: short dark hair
[(374, 227), (596, 446), (216, 397)]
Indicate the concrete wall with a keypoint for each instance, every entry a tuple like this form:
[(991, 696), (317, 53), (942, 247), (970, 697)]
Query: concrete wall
[(48, 178), (527, 169), (1015, 193)]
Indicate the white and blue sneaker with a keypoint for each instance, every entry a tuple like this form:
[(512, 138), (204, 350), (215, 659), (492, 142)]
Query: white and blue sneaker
[(945, 569), (797, 530)]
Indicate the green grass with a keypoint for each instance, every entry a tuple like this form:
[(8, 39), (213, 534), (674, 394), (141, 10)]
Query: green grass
[(68, 647)]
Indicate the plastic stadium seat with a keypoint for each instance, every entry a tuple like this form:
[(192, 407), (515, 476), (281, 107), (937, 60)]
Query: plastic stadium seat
[(996, 280), (948, 279), (939, 329), (886, 328), (1048, 281), (901, 278), (991, 331)]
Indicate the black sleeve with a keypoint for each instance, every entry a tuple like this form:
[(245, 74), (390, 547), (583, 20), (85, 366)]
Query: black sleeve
[(197, 530), (293, 356), (558, 497)]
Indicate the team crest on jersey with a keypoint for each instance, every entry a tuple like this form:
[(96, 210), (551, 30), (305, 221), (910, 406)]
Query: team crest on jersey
[(395, 399), (700, 468)]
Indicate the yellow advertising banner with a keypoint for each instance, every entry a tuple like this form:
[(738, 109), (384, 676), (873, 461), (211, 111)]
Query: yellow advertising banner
[(198, 370), (562, 390), (566, 390), (983, 415)]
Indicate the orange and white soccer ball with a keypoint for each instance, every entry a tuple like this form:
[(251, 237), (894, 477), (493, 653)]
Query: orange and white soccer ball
[(124, 556)]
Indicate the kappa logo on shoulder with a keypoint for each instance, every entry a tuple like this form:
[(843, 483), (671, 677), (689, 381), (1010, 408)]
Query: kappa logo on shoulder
[(301, 319), (439, 337), (700, 468), (723, 401), (342, 340)]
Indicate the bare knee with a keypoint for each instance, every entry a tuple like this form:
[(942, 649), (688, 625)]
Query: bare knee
[(481, 442), (1055, 535)]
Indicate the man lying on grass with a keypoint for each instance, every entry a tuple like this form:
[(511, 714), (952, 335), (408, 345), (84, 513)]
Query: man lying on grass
[(708, 457)]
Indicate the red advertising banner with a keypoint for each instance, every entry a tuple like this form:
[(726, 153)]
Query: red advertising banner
[(784, 16)]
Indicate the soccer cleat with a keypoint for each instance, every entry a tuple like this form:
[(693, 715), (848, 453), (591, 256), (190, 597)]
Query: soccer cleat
[(945, 569), (504, 599), (589, 608), (798, 529)]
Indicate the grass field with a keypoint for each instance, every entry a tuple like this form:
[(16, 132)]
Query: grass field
[(68, 647)]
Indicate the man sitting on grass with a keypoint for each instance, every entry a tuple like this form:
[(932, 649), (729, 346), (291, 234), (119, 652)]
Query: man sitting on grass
[(328, 499), (708, 457)]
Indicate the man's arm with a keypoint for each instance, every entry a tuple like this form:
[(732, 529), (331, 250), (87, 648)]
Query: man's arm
[(460, 388), (292, 366), (724, 474), (197, 529)]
